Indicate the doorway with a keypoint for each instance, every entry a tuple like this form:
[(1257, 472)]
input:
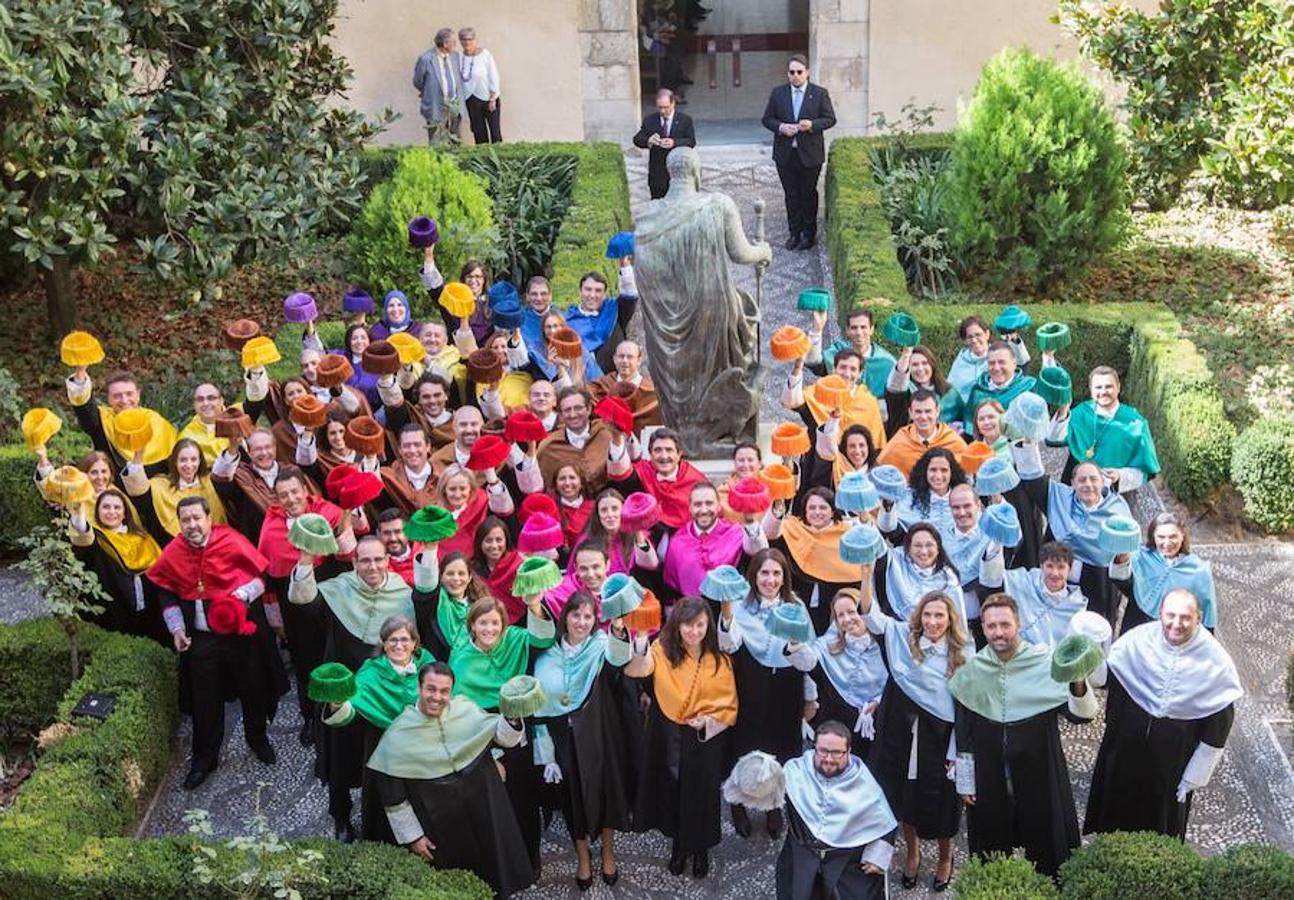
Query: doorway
[(722, 59)]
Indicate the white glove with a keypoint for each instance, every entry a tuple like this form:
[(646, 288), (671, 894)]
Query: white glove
[(865, 727), (806, 730), (552, 773), (388, 391), (408, 376), (628, 287), (256, 383)]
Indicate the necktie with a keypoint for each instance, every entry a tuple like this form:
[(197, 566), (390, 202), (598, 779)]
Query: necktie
[(797, 96), (665, 126)]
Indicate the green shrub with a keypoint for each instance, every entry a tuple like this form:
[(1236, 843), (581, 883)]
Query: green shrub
[(1262, 466), (1120, 865), (36, 670), (1249, 870), (288, 340), (530, 194), (1037, 187), (21, 501), (914, 193), (424, 183), (1002, 878)]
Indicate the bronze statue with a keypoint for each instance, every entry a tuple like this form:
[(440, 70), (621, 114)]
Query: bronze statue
[(702, 332)]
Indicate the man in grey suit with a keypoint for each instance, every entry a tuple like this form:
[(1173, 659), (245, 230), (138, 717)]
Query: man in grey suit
[(437, 76)]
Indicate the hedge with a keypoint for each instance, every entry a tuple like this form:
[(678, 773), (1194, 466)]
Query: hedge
[(599, 205), (1002, 878), (1135, 864), (1132, 864), (1164, 375), (21, 502), (64, 835), (1263, 469)]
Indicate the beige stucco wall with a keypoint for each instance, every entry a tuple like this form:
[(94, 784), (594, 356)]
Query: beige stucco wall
[(933, 50), (536, 44)]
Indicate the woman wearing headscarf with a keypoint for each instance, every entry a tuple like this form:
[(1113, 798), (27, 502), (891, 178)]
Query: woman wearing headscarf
[(396, 316)]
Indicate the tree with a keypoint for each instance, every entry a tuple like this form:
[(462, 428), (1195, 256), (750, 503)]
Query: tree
[(211, 134), (1209, 83), (70, 589)]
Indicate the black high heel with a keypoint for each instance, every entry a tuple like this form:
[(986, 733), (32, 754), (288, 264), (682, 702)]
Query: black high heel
[(677, 860), (610, 878), (584, 883)]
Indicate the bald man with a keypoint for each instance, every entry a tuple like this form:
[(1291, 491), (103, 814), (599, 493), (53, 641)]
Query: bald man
[(630, 384), (467, 424)]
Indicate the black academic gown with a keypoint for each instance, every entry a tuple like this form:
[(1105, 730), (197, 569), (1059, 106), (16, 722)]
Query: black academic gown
[(770, 709), (340, 753), (127, 612), (808, 869), (929, 803), (467, 817), (803, 586), (678, 787), (1140, 763), (594, 746), (833, 707), (1023, 795)]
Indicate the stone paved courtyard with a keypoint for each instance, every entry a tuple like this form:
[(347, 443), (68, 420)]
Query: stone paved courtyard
[(1251, 798)]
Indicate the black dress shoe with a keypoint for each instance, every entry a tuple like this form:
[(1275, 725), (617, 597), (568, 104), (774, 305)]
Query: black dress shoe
[(701, 864), (345, 832), (940, 886), (610, 878), (677, 860), (909, 881), (194, 779), (740, 820), (265, 753), (807, 241), (307, 734), (793, 241), (774, 823)]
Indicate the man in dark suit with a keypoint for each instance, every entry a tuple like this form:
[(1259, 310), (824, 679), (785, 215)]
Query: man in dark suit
[(797, 114), (662, 132)]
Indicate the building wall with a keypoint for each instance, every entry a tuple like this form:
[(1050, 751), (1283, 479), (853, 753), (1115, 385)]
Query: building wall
[(541, 87), (569, 68), (933, 50)]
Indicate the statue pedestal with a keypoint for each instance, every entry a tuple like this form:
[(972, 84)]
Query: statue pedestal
[(718, 469)]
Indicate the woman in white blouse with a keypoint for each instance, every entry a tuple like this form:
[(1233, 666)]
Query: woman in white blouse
[(480, 88)]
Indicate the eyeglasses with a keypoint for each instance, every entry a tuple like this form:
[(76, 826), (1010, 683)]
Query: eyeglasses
[(399, 640), (831, 754)]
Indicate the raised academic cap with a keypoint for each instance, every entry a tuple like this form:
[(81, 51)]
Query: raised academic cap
[(1000, 522), (620, 245)]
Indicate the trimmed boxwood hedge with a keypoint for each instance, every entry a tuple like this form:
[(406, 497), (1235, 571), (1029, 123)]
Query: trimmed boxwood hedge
[(64, 835), (1164, 375), (1002, 878), (1132, 864), (1262, 467)]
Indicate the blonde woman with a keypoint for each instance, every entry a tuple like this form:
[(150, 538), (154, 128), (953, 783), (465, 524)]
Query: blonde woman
[(914, 724)]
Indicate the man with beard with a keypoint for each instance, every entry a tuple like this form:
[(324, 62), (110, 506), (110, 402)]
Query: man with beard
[(1010, 769), (841, 830), (1044, 596), (247, 491), (706, 542), (1173, 690), (400, 552), (441, 787), (210, 580), (1113, 435)]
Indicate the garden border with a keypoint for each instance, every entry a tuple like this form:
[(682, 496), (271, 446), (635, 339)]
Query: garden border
[(66, 834), (1165, 375)]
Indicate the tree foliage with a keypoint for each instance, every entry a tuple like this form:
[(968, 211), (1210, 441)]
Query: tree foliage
[(210, 134), (1037, 186), (1209, 83)]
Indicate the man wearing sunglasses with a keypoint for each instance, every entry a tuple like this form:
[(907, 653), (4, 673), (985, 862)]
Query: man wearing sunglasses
[(798, 112)]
